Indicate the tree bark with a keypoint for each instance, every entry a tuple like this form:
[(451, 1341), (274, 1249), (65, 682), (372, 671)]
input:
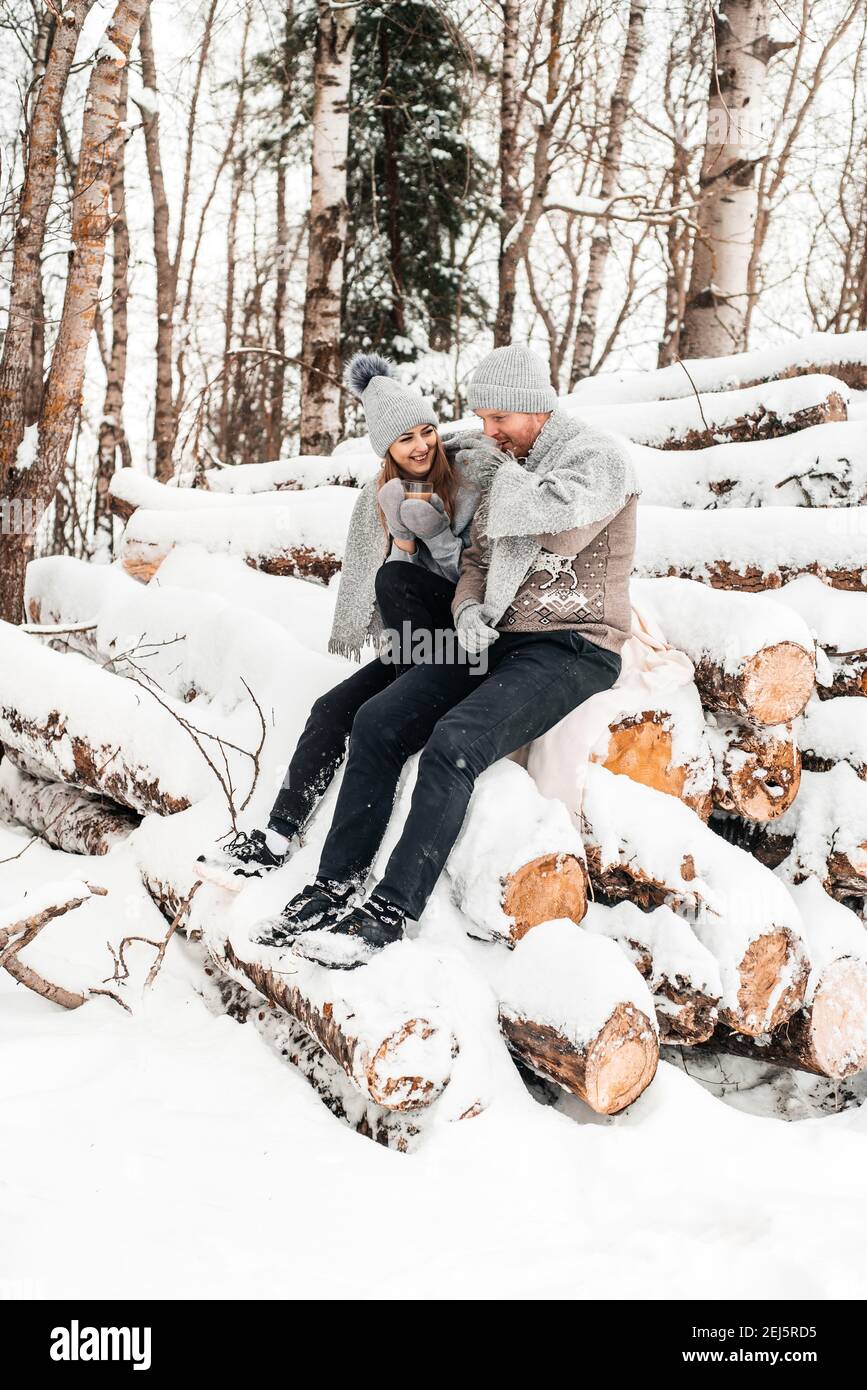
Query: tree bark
[(25, 279), (100, 139), (716, 306), (600, 243), (321, 332), (112, 437), (525, 214), (165, 424), (510, 197)]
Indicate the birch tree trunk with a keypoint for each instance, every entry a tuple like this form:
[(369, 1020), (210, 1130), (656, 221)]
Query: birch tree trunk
[(611, 159), (320, 351), (33, 204), (716, 305), (31, 490), (517, 240), (510, 197), (112, 438), (281, 278), (164, 413)]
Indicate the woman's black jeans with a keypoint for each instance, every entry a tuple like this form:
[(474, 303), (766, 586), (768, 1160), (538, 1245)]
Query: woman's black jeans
[(405, 593)]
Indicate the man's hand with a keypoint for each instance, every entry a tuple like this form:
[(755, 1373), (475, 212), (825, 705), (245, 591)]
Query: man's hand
[(424, 519), (474, 634), (391, 497)]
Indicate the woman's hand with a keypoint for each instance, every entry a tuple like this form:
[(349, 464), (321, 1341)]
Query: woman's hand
[(390, 497), (424, 519)]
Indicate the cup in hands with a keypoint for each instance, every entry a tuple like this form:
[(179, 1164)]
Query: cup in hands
[(418, 490)]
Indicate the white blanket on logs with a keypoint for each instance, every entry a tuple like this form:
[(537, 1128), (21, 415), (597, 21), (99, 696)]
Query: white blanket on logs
[(558, 760)]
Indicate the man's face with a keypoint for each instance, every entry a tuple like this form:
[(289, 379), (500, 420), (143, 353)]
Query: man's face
[(513, 433)]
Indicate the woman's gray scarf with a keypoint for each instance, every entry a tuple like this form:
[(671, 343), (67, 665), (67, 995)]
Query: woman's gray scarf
[(573, 475), (356, 614)]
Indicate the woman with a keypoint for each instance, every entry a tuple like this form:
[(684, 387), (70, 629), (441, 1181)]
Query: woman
[(401, 566)]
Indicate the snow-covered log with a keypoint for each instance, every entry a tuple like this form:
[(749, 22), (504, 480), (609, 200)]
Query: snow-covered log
[(394, 1129), (654, 851), (61, 591), (823, 466), (750, 548), (340, 469), (834, 731), (65, 818), (840, 355), (828, 1035), (757, 768), (575, 1010), (838, 621), (766, 411), (304, 536), (823, 833), (518, 860), (94, 730), (752, 656), (399, 1056), (130, 490), (682, 975)]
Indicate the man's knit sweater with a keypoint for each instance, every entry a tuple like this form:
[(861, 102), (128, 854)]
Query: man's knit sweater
[(580, 581)]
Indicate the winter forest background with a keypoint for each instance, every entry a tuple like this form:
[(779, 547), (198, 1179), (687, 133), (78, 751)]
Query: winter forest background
[(543, 170)]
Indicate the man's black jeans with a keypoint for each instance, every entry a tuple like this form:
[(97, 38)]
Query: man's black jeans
[(405, 593), (464, 722)]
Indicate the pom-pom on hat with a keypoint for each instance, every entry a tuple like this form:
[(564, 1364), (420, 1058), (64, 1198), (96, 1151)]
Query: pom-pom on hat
[(389, 408)]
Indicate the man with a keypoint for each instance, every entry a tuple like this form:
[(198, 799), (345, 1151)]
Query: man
[(545, 587)]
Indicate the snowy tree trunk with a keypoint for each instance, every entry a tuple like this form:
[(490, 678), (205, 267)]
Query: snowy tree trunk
[(112, 438), (32, 213), (510, 197), (164, 412), (34, 488), (600, 243), (321, 334), (715, 316)]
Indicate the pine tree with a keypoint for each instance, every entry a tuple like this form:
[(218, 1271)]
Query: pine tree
[(414, 183)]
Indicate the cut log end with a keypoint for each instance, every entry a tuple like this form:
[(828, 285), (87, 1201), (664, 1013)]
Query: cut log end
[(608, 1074), (642, 749), (778, 681), (552, 886), (838, 1026), (389, 1074), (622, 1061), (762, 1005)]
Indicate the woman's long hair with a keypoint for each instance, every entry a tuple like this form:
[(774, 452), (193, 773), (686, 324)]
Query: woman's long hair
[(440, 480)]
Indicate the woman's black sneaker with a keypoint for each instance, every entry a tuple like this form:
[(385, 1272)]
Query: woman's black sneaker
[(245, 856), (356, 938), (319, 904)]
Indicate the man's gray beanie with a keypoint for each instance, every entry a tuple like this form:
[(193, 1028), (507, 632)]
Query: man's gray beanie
[(389, 408), (512, 379)]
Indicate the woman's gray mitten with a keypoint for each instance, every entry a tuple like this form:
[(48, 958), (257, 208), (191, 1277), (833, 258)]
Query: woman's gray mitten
[(474, 634), (424, 519), (390, 498)]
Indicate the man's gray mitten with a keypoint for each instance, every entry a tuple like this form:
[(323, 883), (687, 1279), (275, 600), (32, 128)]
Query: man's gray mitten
[(391, 497), (473, 632), (424, 519)]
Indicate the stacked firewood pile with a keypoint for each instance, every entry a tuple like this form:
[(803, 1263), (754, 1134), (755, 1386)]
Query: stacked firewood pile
[(717, 864)]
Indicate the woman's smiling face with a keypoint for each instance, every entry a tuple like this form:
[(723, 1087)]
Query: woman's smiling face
[(413, 452)]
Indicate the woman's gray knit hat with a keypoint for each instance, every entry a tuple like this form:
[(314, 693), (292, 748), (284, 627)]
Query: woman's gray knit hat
[(512, 379), (389, 408)]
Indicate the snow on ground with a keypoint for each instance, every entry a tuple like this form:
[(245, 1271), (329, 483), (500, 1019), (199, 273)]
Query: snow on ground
[(172, 1154)]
